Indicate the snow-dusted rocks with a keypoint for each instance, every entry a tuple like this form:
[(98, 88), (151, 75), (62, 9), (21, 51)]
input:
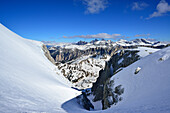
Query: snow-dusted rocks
[(84, 71), (164, 56)]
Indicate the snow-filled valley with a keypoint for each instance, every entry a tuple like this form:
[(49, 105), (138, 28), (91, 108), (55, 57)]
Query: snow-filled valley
[(29, 82)]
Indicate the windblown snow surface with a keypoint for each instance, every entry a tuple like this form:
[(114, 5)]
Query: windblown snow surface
[(29, 83)]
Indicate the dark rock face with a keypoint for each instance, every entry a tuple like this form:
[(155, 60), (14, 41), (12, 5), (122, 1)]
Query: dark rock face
[(111, 96), (65, 55), (93, 41), (84, 101), (123, 59), (47, 54), (81, 43), (101, 89), (98, 87)]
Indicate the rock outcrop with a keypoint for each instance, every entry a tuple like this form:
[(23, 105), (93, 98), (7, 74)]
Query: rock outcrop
[(47, 54), (84, 101), (65, 55), (100, 89), (81, 43)]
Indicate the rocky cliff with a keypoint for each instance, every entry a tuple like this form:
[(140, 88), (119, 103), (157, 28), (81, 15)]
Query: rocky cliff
[(65, 55), (84, 70), (47, 54), (102, 89)]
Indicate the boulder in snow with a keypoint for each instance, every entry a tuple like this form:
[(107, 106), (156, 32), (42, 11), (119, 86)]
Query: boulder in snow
[(137, 70)]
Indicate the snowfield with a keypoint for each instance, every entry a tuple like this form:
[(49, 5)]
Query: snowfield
[(29, 83), (145, 51)]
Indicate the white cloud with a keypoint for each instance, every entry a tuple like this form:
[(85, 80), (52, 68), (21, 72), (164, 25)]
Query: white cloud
[(100, 35), (95, 6), (142, 35), (106, 36), (162, 8), (139, 5)]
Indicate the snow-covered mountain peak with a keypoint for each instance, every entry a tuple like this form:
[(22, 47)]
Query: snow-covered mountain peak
[(122, 40), (142, 41)]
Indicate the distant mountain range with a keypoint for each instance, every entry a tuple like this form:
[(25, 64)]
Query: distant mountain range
[(106, 43)]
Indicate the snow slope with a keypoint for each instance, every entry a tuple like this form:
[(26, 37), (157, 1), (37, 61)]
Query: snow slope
[(28, 82), (145, 51), (148, 90)]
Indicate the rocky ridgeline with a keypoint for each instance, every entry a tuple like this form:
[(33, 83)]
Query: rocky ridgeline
[(47, 54), (84, 71), (65, 55)]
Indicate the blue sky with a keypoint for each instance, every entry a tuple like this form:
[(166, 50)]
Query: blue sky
[(73, 20)]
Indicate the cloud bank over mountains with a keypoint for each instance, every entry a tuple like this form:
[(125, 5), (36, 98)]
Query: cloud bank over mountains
[(142, 35), (99, 35), (106, 36)]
